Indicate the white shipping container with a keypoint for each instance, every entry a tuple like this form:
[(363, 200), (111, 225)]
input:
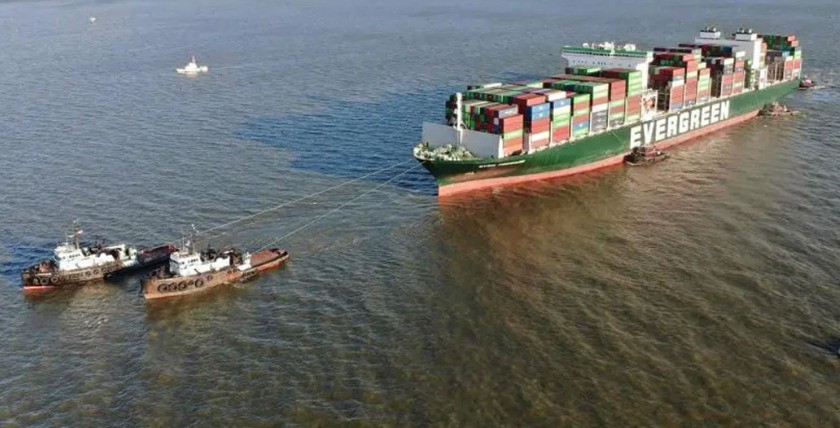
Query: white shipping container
[(601, 107), (562, 111), (539, 136), (555, 95)]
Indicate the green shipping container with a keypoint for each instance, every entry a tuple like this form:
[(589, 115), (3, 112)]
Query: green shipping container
[(513, 134)]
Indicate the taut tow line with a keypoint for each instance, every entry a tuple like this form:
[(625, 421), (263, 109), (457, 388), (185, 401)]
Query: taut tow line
[(339, 207), (285, 204)]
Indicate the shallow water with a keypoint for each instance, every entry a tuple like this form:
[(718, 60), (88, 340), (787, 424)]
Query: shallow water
[(701, 290)]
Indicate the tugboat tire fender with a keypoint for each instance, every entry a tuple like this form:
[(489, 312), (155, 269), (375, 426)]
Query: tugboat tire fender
[(190, 284), (96, 271), (199, 283), (161, 288), (43, 281), (182, 285), (54, 280)]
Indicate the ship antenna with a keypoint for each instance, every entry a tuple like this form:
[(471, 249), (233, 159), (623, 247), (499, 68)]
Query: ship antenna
[(458, 117), (77, 233)]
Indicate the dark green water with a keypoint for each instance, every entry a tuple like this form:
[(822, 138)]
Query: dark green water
[(701, 291)]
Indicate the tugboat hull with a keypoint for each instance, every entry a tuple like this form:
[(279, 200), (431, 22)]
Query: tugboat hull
[(161, 287)]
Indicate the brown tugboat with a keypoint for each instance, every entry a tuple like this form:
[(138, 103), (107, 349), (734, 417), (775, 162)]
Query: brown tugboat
[(645, 155), (74, 263), (190, 272)]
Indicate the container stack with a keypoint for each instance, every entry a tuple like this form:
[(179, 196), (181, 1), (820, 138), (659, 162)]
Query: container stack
[(608, 97), (784, 57), (537, 114), (618, 102), (580, 114), (561, 119), (669, 82), (723, 75), (738, 77), (686, 58), (483, 113), (512, 132), (691, 87), (600, 104), (704, 84), (633, 91), (784, 46)]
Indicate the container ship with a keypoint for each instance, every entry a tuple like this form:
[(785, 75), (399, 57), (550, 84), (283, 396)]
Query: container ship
[(610, 100)]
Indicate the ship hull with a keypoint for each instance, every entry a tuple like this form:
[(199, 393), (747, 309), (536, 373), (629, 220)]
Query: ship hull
[(601, 150), (155, 288)]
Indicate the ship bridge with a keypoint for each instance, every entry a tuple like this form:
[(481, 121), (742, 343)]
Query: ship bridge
[(608, 55)]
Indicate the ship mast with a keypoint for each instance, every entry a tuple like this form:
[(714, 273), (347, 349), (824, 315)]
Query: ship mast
[(458, 117), (77, 233)]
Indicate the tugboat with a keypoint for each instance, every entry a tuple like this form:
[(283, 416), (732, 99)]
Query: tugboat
[(806, 84), (645, 155), (777, 109), (192, 68), (190, 271), (74, 263)]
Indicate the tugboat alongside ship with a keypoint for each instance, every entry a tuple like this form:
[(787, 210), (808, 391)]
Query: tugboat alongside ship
[(76, 264)]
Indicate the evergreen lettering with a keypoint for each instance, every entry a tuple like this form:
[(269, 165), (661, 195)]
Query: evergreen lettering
[(671, 126)]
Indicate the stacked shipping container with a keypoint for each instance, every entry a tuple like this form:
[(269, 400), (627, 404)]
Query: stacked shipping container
[(784, 57), (723, 75), (633, 91), (669, 81), (530, 115)]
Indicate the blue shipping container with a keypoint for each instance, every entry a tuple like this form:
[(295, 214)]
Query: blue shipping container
[(579, 126)]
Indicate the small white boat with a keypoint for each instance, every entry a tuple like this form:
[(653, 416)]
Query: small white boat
[(92, 19), (192, 68)]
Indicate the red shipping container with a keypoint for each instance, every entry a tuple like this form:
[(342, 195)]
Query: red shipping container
[(537, 128), (599, 101), (537, 124), (634, 99), (527, 100), (511, 123), (561, 134)]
